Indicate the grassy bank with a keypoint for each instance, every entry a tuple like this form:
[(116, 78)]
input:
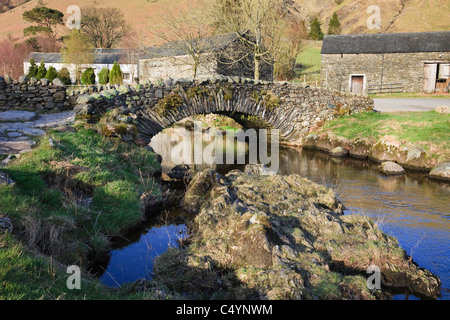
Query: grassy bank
[(430, 130), (69, 198)]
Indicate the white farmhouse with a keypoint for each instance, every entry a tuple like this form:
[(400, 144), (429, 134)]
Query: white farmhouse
[(104, 58)]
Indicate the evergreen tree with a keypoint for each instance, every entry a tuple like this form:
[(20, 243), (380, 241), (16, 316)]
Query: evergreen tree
[(116, 75), (51, 74), (88, 76), (47, 21), (103, 76), (64, 76), (42, 71), (334, 27), (32, 71), (316, 31)]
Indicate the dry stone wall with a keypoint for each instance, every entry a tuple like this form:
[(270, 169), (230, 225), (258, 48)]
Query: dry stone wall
[(33, 95)]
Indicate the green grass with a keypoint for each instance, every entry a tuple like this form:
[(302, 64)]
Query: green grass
[(27, 275), (310, 58), (83, 164), (429, 129), (51, 229)]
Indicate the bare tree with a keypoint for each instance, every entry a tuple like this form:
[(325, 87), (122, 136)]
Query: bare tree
[(183, 36), (258, 24), (78, 51), (104, 26), (131, 43), (12, 56), (285, 58)]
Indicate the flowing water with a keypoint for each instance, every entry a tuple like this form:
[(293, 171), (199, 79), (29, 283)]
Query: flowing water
[(411, 208)]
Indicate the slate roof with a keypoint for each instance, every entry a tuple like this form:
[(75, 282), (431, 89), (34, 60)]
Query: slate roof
[(387, 43), (106, 56), (171, 49), (176, 48)]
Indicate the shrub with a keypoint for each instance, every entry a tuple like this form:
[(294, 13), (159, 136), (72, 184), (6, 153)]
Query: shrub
[(103, 76), (32, 71), (88, 76), (51, 74), (41, 71), (64, 76), (116, 75)]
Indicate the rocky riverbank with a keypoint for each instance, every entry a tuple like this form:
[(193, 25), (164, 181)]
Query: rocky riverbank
[(260, 236), (392, 154)]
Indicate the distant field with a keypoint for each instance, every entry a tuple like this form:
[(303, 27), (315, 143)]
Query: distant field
[(308, 62)]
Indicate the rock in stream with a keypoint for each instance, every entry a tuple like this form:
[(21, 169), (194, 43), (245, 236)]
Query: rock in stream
[(282, 237)]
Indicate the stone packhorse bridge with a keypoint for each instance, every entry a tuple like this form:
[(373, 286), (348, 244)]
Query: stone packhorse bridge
[(291, 108)]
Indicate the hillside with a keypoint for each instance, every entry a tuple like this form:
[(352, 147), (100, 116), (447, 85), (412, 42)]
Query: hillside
[(396, 15), (137, 12)]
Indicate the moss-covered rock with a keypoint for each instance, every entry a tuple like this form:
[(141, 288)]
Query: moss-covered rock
[(441, 172), (284, 237), (127, 132)]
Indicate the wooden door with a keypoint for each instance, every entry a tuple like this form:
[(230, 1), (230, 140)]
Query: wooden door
[(429, 85), (444, 70), (357, 84)]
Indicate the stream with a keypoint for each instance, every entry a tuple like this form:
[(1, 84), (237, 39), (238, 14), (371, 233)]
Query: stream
[(412, 208)]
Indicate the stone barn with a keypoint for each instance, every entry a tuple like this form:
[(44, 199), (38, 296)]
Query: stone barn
[(218, 55), (384, 63)]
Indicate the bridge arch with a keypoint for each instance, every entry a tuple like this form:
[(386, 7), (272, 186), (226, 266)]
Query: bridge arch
[(291, 108)]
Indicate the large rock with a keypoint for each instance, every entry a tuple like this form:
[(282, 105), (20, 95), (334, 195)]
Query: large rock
[(57, 82), (441, 172), (391, 168), (182, 172), (5, 224), (360, 148), (5, 179), (45, 82), (127, 132), (387, 149), (338, 152), (23, 80), (85, 99), (443, 109), (12, 116), (287, 238), (8, 79), (413, 156), (33, 81)]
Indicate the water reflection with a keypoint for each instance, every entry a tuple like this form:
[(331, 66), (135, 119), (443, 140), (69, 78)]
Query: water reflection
[(135, 261), (412, 208)]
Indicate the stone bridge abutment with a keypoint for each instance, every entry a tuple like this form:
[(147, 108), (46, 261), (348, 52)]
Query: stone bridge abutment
[(293, 109)]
